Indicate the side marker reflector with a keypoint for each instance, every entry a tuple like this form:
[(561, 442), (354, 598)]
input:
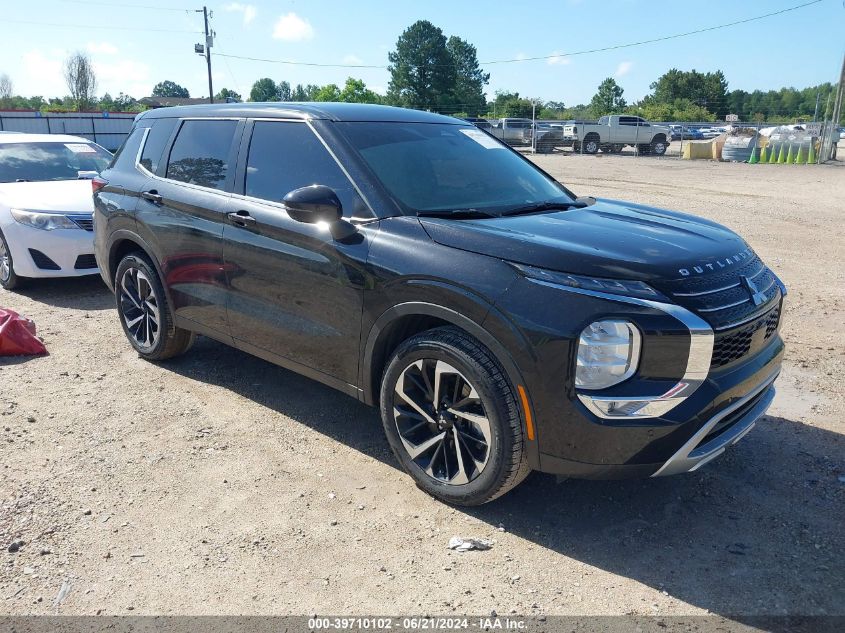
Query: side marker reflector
[(529, 423)]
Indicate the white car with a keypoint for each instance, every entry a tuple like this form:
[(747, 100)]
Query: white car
[(46, 227)]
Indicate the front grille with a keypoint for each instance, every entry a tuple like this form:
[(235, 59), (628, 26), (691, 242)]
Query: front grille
[(42, 261), (83, 221), (85, 261), (731, 345), (722, 298)]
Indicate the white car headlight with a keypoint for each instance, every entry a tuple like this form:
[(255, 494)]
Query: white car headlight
[(608, 353), (43, 221)]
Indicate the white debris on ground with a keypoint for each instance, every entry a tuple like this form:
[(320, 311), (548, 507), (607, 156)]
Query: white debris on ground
[(462, 544)]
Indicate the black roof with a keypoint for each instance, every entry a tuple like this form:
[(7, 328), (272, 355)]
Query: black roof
[(313, 110)]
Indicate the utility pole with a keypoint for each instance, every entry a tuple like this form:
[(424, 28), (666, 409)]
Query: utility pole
[(816, 113), (209, 41)]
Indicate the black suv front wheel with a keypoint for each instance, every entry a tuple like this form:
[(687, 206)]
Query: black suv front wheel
[(145, 314), (451, 418)]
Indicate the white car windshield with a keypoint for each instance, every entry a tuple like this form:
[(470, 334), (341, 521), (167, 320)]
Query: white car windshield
[(44, 161)]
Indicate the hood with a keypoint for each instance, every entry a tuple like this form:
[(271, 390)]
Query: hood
[(66, 196), (610, 238)]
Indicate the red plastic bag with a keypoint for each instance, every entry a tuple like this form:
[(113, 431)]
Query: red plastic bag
[(17, 335)]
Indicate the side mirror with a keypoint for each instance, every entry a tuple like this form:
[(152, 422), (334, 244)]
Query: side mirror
[(316, 203)]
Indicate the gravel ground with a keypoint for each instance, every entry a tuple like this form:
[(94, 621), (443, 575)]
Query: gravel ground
[(220, 484)]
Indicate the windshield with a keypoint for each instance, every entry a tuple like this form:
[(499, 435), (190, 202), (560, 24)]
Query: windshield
[(440, 167), (35, 162)]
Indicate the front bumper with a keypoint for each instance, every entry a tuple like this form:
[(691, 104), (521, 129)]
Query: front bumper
[(701, 410), (66, 248)]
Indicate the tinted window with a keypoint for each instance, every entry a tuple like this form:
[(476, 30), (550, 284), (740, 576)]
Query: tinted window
[(160, 132), (437, 166), (287, 156), (200, 153), (128, 150), (627, 120), (50, 161)]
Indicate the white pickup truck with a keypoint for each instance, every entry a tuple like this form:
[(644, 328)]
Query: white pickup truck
[(614, 132)]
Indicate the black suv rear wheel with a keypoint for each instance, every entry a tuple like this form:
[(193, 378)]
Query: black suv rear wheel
[(145, 314), (451, 418)]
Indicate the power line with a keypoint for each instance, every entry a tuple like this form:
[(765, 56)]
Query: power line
[(545, 57), (109, 27), (657, 39), (125, 6)]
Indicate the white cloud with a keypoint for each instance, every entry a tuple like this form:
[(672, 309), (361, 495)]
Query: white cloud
[(42, 74), (352, 59), (292, 28), (249, 11), (126, 75), (558, 60), (520, 56), (623, 68), (104, 48)]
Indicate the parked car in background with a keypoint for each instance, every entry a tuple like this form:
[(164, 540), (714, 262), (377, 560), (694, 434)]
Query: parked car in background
[(712, 132), (612, 133), (511, 131), (842, 132), (679, 132), (548, 136), (500, 323), (45, 206), (480, 123)]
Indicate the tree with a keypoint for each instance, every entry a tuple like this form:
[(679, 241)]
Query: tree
[(81, 80), (356, 91), (304, 93), (422, 72), (169, 88), (708, 90), (608, 99), (264, 90), (329, 92), (468, 91), (283, 91), (226, 95), (6, 89)]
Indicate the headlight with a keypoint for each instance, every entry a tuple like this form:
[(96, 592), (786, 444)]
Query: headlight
[(44, 221), (608, 353), (597, 284)]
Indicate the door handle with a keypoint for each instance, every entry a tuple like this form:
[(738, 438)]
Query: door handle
[(241, 218), (152, 195)]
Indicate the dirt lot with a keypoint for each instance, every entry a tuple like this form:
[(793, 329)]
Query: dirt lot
[(218, 483)]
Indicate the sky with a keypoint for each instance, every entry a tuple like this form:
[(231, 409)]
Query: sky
[(134, 44)]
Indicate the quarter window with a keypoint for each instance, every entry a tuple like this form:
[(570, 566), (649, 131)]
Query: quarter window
[(200, 153), (160, 132), (128, 151), (284, 156)]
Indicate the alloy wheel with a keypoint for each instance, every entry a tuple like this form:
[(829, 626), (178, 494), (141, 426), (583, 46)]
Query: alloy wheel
[(139, 308), (591, 147), (441, 421), (5, 262)]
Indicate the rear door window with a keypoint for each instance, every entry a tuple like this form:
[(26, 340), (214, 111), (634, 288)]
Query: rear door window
[(201, 153), (160, 132), (287, 155)]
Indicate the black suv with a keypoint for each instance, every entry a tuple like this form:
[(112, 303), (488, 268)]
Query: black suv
[(416, 263)]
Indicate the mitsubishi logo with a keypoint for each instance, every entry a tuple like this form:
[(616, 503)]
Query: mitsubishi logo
[(757, 297)]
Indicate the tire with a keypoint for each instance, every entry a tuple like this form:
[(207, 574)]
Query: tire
[(8, 279), (644, 149), (591, 145), (144, 311), (490, 458), (658, 147)]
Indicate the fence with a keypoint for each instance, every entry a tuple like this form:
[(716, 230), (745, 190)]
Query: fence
[(107, 128)]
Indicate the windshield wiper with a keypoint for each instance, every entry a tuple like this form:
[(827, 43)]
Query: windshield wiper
[(457, 214), (545, 206)]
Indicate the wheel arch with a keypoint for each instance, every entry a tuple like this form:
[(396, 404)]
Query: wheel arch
[(124, 242), (660, 137), (404, 320)]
